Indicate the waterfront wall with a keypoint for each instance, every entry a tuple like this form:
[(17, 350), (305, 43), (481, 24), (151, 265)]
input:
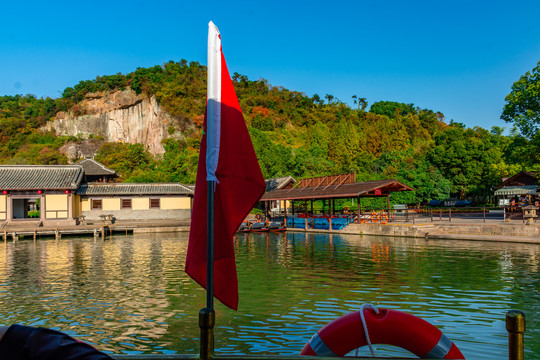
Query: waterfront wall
[(482, 232)]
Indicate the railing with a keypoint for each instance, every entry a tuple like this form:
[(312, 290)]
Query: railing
[(413, 215)]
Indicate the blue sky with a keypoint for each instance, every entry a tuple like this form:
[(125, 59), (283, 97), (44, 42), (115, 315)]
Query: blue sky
[(458, 57)]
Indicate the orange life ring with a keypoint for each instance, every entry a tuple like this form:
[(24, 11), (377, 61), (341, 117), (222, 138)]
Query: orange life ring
[(374, 217), (391, 327), (384, 218)]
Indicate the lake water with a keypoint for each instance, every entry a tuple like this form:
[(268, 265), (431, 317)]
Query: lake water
[(129, 294)]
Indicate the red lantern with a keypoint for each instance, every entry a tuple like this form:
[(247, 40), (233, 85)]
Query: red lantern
[(67, 191), (4, 192), (39, 191)]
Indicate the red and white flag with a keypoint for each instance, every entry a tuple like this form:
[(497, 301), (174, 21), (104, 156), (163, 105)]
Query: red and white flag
[(226, 157)]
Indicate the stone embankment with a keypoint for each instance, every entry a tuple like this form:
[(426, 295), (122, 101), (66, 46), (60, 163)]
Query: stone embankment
[(501, 232)]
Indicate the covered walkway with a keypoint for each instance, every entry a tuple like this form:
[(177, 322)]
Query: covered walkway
[(332, 188)]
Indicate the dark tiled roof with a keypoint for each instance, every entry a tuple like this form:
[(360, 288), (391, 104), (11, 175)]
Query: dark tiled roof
[(521, 178), (134, 189), (40, 177), (366, 188), (94, 168), (278, 183)]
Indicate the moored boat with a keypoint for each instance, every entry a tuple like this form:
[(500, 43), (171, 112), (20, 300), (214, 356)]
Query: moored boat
[(260, 226), (275, 226), (245, 227)]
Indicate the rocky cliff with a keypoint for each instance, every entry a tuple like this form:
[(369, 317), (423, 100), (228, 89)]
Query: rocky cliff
[(122, 116)]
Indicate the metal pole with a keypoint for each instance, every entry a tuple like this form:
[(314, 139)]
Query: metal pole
[(210, 247), (515, 325), (207, 321), (207, 317)]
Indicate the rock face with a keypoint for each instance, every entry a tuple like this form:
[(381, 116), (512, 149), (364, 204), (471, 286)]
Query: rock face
[(122, 116)]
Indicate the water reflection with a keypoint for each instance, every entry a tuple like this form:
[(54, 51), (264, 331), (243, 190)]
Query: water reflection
[(129, 294)]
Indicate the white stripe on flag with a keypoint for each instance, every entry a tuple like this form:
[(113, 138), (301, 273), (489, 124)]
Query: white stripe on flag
[(213, 110)]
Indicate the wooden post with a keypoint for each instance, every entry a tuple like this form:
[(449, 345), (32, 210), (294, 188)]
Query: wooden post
[(450, 214), (103, 232), (285, 212), (484, 209), (330, 223), (35, 234), (358, 210), (5, 235)]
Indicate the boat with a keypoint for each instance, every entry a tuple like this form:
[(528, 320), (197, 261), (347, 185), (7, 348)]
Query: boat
[(245, 227), (259, 226), (276, 226)]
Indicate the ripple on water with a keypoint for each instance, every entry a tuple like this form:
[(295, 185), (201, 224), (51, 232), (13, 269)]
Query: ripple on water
[(130, 294)]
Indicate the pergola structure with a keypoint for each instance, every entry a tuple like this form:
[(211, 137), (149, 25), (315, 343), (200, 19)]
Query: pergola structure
[(335, 187)]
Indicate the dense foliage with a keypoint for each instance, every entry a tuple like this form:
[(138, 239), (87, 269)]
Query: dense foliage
[(294, 134)]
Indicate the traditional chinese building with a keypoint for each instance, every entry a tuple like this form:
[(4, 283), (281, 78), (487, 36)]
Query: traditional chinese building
[(62, 195)]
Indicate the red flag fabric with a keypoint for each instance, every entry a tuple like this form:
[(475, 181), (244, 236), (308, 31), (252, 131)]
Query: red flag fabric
[(239, 187)]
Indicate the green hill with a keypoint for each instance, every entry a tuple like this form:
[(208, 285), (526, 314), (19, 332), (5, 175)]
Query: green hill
[(293, 134)]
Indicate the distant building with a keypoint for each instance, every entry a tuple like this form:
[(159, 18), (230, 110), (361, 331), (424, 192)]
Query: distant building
[(279, 206), (135, 201), (61, 195), (36, 193), (96, 172), (520, 189)]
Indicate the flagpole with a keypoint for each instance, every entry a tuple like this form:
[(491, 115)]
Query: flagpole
[(210, 247), (207, 316)]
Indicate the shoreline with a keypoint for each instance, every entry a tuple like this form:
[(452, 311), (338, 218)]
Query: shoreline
[(471, 230)]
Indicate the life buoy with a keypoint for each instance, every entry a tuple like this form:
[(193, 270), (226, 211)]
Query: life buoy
[(390, 327), (384, 218), (374, 217), (258, 217)]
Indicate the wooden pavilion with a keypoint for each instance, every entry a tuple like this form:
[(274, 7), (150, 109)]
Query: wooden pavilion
[(334, 187)]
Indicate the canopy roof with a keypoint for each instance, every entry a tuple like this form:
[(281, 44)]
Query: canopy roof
[(355, 189), (517, 190)]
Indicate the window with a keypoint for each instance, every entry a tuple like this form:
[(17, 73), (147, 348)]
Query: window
[(154, 203), (96, 204), (126, 203)]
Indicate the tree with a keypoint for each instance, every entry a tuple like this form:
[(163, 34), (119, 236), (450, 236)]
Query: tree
[(362, 103), (329, 97), (522, 105)]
